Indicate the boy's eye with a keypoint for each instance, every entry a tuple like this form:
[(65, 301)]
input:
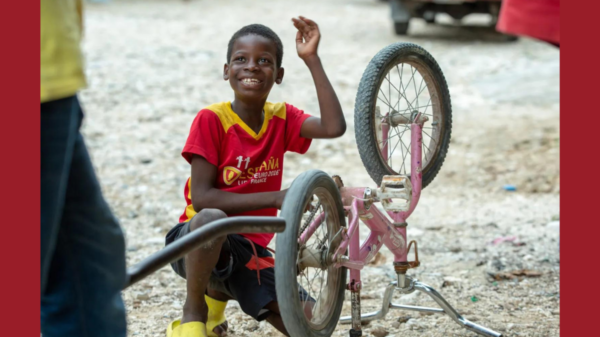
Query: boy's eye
[(240, 58), (264, 60)]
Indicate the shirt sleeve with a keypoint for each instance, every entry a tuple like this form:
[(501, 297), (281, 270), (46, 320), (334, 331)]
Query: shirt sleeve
[(294, 118), (205, 138)]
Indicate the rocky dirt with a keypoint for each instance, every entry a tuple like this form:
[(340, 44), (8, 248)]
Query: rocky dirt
[(153, 64)]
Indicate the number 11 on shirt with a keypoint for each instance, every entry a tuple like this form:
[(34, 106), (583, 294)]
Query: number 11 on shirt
[(241, 159)]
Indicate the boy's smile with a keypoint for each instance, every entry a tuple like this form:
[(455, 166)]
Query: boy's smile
[(252, 69), (251, 82)]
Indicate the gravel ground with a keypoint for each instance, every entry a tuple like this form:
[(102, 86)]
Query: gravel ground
[(153, 64)]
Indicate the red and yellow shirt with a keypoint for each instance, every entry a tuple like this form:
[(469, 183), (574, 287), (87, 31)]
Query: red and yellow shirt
[(247, 162)]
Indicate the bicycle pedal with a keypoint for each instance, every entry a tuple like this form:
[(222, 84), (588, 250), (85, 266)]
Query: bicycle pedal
[(394, 188)]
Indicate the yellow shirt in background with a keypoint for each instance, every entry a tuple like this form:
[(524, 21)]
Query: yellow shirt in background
[(61, 62)]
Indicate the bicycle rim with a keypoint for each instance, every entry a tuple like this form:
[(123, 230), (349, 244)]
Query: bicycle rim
[(322, 285), (408, 86)]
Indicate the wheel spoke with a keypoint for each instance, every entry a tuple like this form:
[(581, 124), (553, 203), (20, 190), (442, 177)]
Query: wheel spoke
[(403, 166), (435, 141), (428, 149), (406, 147), (386, 141), (390, 85), (403, 153), (397, 134), (399, 141), (412, 105), (404, 89), (415, 86), (320, 240), (389, 89), (386, 103), (401, 149), (404, 160), (427, 106), (399, 93), (419, 92), (400, 76), (386, 99)]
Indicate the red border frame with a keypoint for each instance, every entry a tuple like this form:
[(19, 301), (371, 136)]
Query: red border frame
[(20, 141), (20, 169), (579, 183)]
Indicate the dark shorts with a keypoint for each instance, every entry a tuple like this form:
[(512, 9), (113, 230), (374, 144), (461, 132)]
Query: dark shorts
[(239, 278)]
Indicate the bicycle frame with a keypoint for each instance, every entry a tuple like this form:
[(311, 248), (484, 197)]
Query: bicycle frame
[(383, 232), (358, 203)]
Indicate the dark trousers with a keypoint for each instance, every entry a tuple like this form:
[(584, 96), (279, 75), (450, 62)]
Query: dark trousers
[(82, 244)]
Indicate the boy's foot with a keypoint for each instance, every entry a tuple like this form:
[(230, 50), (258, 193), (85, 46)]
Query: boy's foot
[(190, 329), (216, 325)]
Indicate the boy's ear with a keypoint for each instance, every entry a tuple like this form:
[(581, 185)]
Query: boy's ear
[(279, 77), (226, 72)]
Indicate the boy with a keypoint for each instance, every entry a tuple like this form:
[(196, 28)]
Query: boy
[(236, 153)]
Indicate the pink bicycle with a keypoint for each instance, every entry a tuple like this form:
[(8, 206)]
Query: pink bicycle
[(402, 113)]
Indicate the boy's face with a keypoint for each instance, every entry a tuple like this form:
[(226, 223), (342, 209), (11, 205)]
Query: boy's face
[(252, 69)]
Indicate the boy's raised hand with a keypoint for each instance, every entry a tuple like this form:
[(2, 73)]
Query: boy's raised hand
[(307, 37)]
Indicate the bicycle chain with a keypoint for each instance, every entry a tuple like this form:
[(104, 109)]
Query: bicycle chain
[(310, 217)]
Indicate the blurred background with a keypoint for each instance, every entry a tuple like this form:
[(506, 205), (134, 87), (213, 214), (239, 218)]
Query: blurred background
[(488, 225)]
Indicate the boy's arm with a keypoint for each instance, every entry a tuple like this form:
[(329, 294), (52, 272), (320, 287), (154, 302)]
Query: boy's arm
[(332, 123), (205, 195)]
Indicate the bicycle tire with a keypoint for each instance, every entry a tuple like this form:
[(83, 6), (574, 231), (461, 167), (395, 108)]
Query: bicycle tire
[(401, 28), (286, 267), (366, 99)]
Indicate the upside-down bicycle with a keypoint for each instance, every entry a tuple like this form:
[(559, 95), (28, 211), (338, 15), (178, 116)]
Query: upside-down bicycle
[(402, 99)]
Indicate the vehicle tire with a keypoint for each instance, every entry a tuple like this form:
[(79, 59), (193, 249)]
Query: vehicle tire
[(318, 189), (368, 126), (401, 28), (511, 38), (429, 17)]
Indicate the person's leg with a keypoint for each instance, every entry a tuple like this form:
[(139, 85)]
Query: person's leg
[(255, 291), (199, 265), (217, 294), (59, 121), (275, 317), (87, 270)]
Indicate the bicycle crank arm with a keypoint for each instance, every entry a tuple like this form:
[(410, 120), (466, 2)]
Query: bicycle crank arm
[(446, 308)]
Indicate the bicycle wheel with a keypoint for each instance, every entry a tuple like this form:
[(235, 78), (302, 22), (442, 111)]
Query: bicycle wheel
[(321, 287), (400, 79)]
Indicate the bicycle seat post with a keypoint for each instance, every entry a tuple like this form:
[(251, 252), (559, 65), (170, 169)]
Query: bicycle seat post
[(404, 283)]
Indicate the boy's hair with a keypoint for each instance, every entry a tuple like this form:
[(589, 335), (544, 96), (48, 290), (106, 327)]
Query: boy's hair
[(260, 30)]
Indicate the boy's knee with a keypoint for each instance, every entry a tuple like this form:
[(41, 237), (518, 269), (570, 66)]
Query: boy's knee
[(205, 216)]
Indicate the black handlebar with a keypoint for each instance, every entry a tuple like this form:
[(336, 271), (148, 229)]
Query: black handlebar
[(210, 231)]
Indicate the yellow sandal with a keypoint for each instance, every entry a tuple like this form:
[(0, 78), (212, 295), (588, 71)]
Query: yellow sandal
[(216, 317), (189, 329), (216, 314)]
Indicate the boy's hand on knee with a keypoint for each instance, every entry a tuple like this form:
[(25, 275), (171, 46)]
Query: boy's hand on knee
[(307, 37)]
